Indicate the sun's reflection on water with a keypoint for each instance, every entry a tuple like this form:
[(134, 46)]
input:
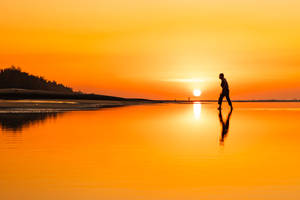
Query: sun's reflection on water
[(197, 110)]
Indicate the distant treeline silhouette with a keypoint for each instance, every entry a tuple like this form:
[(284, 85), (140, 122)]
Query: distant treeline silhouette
[(14, 77), (16, 84)]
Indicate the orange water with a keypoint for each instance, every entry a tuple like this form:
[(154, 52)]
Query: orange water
[(162, 151)]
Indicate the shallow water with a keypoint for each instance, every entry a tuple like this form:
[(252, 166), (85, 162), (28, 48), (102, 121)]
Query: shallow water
[(159, 151)]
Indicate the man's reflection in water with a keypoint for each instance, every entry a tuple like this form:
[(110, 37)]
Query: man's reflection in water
[(225, 126)]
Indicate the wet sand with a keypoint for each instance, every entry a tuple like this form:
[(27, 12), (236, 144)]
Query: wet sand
[(25, 106)]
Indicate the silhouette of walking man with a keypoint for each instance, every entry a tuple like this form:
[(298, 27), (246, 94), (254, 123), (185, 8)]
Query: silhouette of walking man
[(225, 92), (225, 126)]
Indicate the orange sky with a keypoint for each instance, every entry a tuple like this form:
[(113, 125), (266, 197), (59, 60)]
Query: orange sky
[(157, 49)]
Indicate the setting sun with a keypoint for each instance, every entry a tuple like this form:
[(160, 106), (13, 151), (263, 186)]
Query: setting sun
[(197, 92)]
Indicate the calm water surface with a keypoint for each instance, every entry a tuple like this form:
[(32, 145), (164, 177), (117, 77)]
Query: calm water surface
[(163, 151)]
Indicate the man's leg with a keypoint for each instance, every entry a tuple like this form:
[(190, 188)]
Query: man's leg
[(220, 100), (228, 100)]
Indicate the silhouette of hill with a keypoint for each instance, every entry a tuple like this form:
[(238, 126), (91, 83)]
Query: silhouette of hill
[(14, 78), (16, 84)]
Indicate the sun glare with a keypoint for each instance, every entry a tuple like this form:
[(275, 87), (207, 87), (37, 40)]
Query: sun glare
[(197, 92)]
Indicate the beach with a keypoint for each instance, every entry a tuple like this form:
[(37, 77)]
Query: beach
[(56, 105)]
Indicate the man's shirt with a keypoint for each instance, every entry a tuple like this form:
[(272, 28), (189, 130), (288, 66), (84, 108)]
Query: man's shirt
[(224, 85)]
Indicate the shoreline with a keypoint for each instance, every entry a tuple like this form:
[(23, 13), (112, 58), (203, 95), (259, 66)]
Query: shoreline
[(61, 105)]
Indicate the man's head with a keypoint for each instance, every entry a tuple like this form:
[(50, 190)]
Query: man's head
[(221, 76)]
